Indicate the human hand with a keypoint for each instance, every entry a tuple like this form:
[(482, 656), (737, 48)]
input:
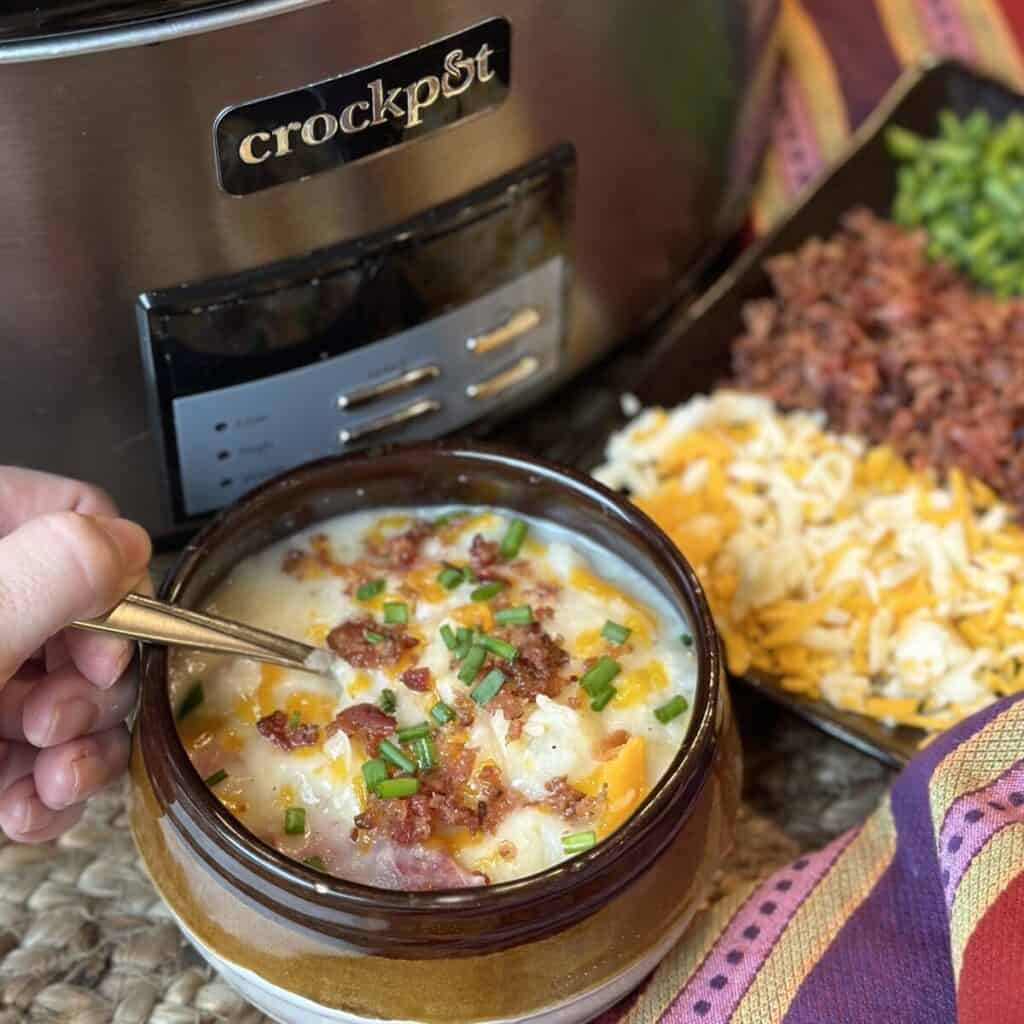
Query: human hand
[(64, 693)]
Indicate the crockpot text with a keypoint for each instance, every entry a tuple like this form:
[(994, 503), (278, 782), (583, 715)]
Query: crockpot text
[(404, 105)]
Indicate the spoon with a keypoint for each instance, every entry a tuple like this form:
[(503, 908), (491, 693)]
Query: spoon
[(145, 618)]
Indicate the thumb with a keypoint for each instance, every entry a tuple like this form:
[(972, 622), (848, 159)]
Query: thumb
[(60, 567)]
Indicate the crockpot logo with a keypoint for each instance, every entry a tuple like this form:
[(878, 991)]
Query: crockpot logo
[(268, 142), (405, 106)]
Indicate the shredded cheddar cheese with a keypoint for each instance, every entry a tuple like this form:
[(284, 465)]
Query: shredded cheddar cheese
[(832, 566)]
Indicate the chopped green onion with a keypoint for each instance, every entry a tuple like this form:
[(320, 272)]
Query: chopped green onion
[(602, 699), (672, 709), (295, 821), (371, 589), (471, 664), (413, 732), (488, 590), (450, 577), (388, 701), (502, 648), (216, 778), (513, 539), (293, 722), (372, 637), (615, 633), (487, 689), (596, 680), (520, 615), (464, 635), (391, 753), (448, 636), (373, 772), (316, 863), (686, 639), (441, 713), (389, 789), (577, 842), (425, 753), (396, 613), (191, 701)]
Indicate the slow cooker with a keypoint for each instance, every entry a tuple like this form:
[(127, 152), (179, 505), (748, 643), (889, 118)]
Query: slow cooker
[(241, 235)]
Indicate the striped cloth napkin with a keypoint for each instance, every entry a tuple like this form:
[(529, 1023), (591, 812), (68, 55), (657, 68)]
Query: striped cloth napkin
[(916, 916), (839, 59)]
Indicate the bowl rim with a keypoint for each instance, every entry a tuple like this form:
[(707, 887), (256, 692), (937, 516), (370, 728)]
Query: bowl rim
[(675, 790)]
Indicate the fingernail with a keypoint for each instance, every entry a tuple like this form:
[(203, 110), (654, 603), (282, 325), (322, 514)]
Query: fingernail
[(28, 815), (132, 541), (124, 659), (69, 719)]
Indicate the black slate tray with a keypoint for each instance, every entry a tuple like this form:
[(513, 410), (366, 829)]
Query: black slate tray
[(694, 353)]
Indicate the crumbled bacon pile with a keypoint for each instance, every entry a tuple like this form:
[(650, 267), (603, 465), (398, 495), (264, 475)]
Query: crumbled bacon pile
[(537, 669), (895, 348), (354, 640), (282, 733)]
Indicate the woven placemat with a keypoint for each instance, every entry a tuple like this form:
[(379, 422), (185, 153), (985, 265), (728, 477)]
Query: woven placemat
[(84, 938)]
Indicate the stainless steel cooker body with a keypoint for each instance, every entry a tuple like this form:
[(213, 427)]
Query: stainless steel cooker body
[(111, 187)]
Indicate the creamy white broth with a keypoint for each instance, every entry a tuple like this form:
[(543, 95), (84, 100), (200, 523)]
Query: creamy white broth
[(554, 738)]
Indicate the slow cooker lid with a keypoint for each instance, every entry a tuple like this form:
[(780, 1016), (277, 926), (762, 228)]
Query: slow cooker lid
[(27, 19)]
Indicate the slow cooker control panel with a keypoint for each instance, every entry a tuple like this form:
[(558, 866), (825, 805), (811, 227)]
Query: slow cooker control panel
[(406, 336)]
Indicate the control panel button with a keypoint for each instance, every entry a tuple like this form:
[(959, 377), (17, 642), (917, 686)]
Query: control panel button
[(424, 407), (372, 392), (501, 382), (515, 327)]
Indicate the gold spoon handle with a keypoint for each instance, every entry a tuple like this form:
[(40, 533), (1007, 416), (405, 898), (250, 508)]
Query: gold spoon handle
[(145, 618)]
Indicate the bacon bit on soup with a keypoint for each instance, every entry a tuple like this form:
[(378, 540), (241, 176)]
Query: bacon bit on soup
[(465, 710), (365, 722), (282, 733), (402, 550), (364, 643), (417, 679), (449, 797), (494, 799), (482, 555), (538, 666), (569, 802), (507, 850)]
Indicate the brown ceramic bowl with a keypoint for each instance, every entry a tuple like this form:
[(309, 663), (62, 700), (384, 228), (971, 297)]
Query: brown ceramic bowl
[(560, 945)]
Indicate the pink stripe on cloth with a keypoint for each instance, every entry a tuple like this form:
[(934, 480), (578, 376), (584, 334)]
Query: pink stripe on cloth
[(717, 986), (945, 29), (794, 137), (973, 820)]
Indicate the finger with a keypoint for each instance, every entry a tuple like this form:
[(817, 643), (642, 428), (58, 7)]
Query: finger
[(12, 703), (65, 705), (60, 567), (70, 773), (103, 659), (16, 761), (55, 652), (26, 819), (26, 493)]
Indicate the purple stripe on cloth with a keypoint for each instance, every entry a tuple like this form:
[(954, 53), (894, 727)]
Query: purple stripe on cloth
[(891, 962), (793, 135), (717, 986), (861, 53), (946, 30), (973, 820)]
